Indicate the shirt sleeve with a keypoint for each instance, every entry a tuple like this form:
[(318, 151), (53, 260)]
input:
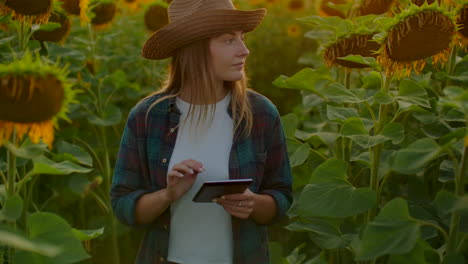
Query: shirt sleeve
[(277, 180), (128, 183)]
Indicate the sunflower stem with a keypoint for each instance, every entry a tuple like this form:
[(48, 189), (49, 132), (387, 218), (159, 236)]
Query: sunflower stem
[(459, 191), (10, 186), (451, 64), (376, 151)]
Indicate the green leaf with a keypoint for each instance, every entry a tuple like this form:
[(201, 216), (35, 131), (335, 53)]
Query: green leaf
[(373, 80), (75, 153), (340, 113), (435, 129), (300, 155), (55, 230), (446, 171), (319, 34), (12, 209), (27, 150), (394, 131), (415, 157), (19, 241), (331, 195), (392, 232), (353, 126), (411, 92), (445, 202), (43, 165), (305, 79), (336, 92), (383, 98), (325, 234), (49, 26), (369, 61), (85, 235), (112, 116), (289, 122), (415, 256), (454, 115)]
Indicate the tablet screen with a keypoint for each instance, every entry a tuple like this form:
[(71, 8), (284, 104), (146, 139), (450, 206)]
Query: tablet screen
[(215, 189)]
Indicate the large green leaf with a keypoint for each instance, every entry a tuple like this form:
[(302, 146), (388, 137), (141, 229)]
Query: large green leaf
[(392, 232), (85, 235), (336, 92), (112, 115), (415, 157), (27, 150), (415, 256), (324, 233), (19, 241), (411, 92), (74, 153), (354, 129), (289, 123), (340, 113), (369, 61), (12, 209), (43, 165), (55, 230), (300, 155), (305, 79), (331, 195)]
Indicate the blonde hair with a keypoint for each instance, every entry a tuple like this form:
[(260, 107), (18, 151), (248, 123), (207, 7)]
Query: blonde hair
[(190, 67)]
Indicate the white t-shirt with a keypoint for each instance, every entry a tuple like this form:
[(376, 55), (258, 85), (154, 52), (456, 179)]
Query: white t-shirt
[(201, 233)]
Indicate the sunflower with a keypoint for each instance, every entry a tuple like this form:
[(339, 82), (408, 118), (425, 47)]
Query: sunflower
[(72, 7), (104, 14), (416, 34), (356, 44), (57, 35), (462, 20), (33, 96), (377, 7), (156, 17), (325, 9), (294, 30), (37, 11), (296, 5), (421, 2)]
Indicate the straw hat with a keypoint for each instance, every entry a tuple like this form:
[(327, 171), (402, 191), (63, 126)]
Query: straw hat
[(192, 20)]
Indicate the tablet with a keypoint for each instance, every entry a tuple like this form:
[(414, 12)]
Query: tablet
[(215, 189)]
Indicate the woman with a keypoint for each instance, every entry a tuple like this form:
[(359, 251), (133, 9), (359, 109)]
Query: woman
[(165, 155)]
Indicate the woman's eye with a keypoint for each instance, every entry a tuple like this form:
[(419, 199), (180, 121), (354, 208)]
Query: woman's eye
[(229, 41)]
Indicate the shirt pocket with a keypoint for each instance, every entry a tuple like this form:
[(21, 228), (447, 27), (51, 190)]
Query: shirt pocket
[(258, 169)]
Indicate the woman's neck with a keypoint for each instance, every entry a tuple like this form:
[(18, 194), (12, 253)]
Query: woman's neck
[(186, 93)]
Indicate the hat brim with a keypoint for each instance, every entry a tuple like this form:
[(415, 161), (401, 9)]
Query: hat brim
[(199, 26)]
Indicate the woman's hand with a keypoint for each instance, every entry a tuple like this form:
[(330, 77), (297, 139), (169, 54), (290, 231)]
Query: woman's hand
[(239, 205), (181, 178)]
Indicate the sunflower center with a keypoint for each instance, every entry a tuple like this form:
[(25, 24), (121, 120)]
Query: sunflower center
[(420, 36), (57, 34), (463, 20), (29, 7), (104, 13), (28, 99), (71, 6), (354, 45)]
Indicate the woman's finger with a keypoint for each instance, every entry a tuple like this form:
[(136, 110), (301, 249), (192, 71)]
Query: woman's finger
[(182, 168)]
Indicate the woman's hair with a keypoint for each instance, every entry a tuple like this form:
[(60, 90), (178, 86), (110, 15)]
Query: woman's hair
[(191, 67)]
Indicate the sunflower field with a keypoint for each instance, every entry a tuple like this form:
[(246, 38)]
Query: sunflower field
[(373, 97)]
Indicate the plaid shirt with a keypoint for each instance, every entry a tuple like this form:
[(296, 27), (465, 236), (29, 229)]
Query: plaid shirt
[(142, 166)]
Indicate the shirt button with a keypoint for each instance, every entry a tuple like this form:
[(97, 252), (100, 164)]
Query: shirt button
[(161, 259), (164, 160), (165, 227), (172, 130)]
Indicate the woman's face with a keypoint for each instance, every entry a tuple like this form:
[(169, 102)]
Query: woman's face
[(228, 54)]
